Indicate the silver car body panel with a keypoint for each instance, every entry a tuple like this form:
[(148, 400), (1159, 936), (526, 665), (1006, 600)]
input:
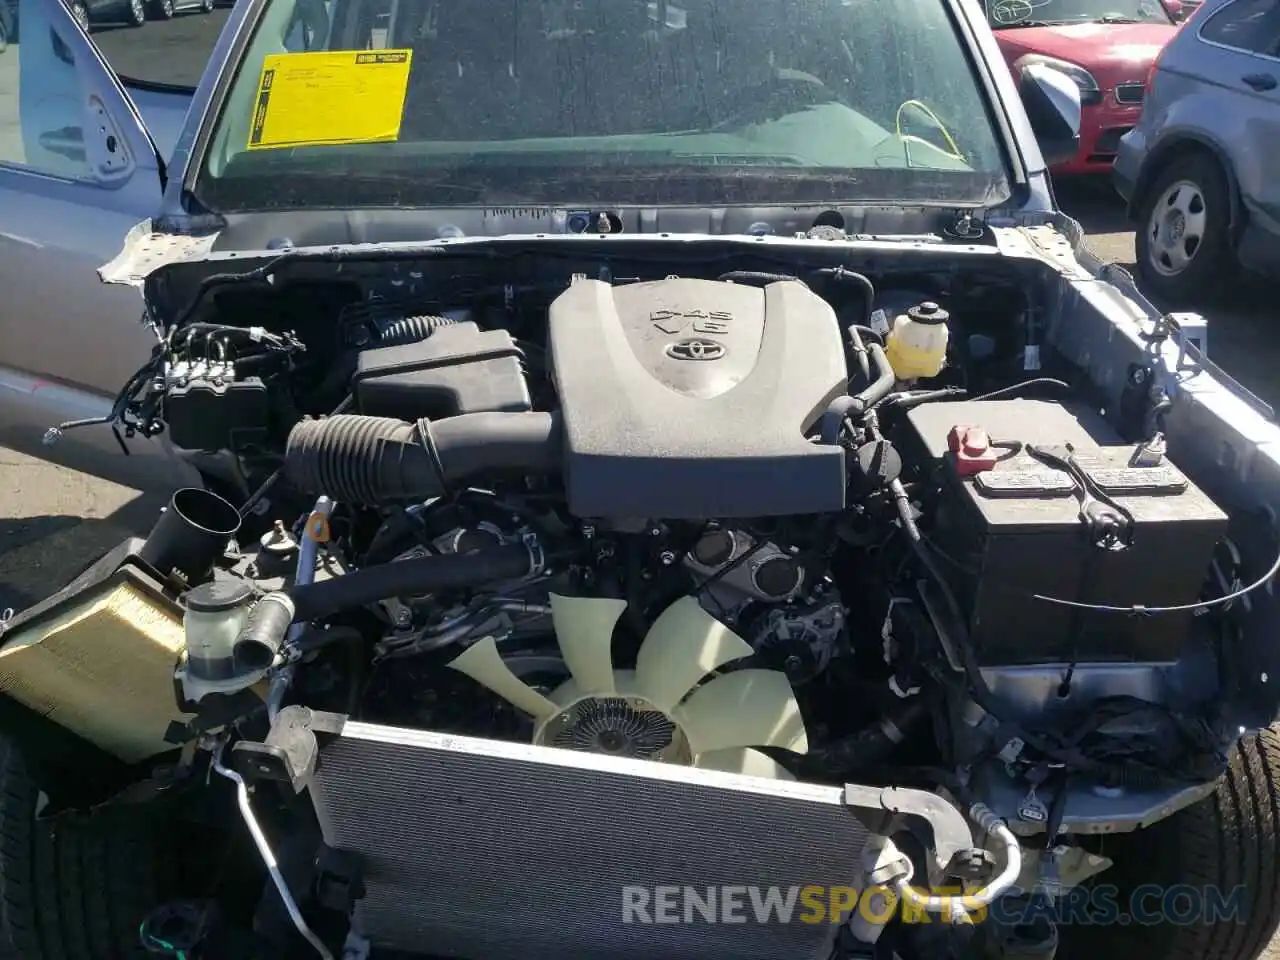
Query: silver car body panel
[(1201, 95)]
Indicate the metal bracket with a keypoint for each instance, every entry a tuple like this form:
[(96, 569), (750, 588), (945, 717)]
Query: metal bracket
[(1188, 331), (951, 833), (339, 879), (290, 751)]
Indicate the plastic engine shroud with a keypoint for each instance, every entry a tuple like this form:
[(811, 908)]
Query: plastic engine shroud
[(692, 399)]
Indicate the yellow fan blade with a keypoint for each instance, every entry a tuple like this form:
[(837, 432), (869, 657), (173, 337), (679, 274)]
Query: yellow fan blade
[(584, 630), (746, 708), (684, 644), (483, 664)]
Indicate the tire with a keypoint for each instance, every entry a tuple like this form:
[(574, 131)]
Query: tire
[(1229, 842), (1189, 200), (164, 9), (137, 13), (75, 888), (4, 35)]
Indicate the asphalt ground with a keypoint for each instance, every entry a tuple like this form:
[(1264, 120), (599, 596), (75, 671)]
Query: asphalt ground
[(54, 521)]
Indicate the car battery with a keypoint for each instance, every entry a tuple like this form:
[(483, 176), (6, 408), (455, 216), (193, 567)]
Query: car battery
[(1008, 527)]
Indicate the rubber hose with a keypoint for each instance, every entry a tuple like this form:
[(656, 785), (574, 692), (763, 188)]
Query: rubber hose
[(869, 334), (756, 276), (857, 405), (844, 275), (411, 330), (870, 745), (860, 353), (372, 461), (415, 577), (264, 632)]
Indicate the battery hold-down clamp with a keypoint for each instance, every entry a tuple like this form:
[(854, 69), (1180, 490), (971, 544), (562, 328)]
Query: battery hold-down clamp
[(1110, 524)]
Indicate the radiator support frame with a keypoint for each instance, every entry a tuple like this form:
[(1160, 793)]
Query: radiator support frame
[(372, 786)]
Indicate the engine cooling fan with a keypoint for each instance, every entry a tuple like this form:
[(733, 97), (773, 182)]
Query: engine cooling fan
[(659, 711)]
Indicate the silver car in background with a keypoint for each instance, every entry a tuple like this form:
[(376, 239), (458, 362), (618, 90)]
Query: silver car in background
[(1199, 169)]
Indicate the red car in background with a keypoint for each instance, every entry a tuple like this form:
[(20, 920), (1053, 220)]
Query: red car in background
[(1106, 46)]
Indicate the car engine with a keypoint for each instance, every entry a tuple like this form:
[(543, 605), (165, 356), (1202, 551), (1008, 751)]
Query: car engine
[(738, 523)]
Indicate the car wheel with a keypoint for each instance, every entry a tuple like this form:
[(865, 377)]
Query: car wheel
[(1183, 241), (137, 13), (71, 888), (164, 9), (206, 6), (1223, 852), (80, 14), (4, 35)]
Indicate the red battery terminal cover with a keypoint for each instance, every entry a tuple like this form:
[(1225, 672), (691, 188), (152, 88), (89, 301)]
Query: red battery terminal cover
[(973, 450)]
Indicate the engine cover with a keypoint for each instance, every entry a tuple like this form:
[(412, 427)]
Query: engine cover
[(692, 399)]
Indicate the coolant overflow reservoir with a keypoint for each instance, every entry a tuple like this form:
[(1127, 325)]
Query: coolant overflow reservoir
[(216, 613), (917, 342)]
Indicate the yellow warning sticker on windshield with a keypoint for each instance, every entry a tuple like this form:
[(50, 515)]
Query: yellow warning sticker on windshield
[(345, 96)]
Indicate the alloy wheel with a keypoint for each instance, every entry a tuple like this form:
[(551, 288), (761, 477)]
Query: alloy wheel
[(80, 13), (1176, 228)]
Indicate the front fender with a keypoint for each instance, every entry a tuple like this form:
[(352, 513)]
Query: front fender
[(1192, 122)]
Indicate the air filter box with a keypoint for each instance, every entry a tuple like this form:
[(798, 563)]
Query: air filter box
[(1014, 531), (457, 369), (97, 657)]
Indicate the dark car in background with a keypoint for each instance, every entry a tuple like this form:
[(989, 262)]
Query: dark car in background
[(92, 13)]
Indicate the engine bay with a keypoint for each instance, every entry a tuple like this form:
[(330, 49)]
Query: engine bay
[(815, 526)]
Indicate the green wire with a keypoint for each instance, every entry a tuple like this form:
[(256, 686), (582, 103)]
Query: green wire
[(162, 944)]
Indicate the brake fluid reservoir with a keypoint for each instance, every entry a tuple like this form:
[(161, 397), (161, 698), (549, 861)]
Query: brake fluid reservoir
[(916, 346), (216, 613)]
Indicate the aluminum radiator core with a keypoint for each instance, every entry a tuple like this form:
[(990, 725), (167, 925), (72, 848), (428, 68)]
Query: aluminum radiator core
[(488, 850)]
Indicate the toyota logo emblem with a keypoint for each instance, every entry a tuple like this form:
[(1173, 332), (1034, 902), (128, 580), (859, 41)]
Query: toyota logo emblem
[(696, 349)]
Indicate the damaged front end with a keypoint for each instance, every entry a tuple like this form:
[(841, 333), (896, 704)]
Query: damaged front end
[(571, 596)]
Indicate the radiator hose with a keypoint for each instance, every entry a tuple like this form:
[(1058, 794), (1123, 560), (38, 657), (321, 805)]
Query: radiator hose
[(857, 405), (266, 631), (372, 461)]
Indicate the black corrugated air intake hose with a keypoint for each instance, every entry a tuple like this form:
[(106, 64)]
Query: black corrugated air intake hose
[(372, 461), (405, 330), (755, 277)]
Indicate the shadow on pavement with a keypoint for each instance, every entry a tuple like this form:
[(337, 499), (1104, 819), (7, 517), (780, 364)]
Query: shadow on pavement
[(1095, 204), (1243, 335), (41, 554)]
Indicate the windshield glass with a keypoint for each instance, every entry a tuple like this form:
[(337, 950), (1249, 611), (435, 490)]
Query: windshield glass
[(1036, 13), (364, 103)]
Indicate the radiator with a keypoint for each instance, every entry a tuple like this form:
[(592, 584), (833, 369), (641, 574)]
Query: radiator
[(486, 850)]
